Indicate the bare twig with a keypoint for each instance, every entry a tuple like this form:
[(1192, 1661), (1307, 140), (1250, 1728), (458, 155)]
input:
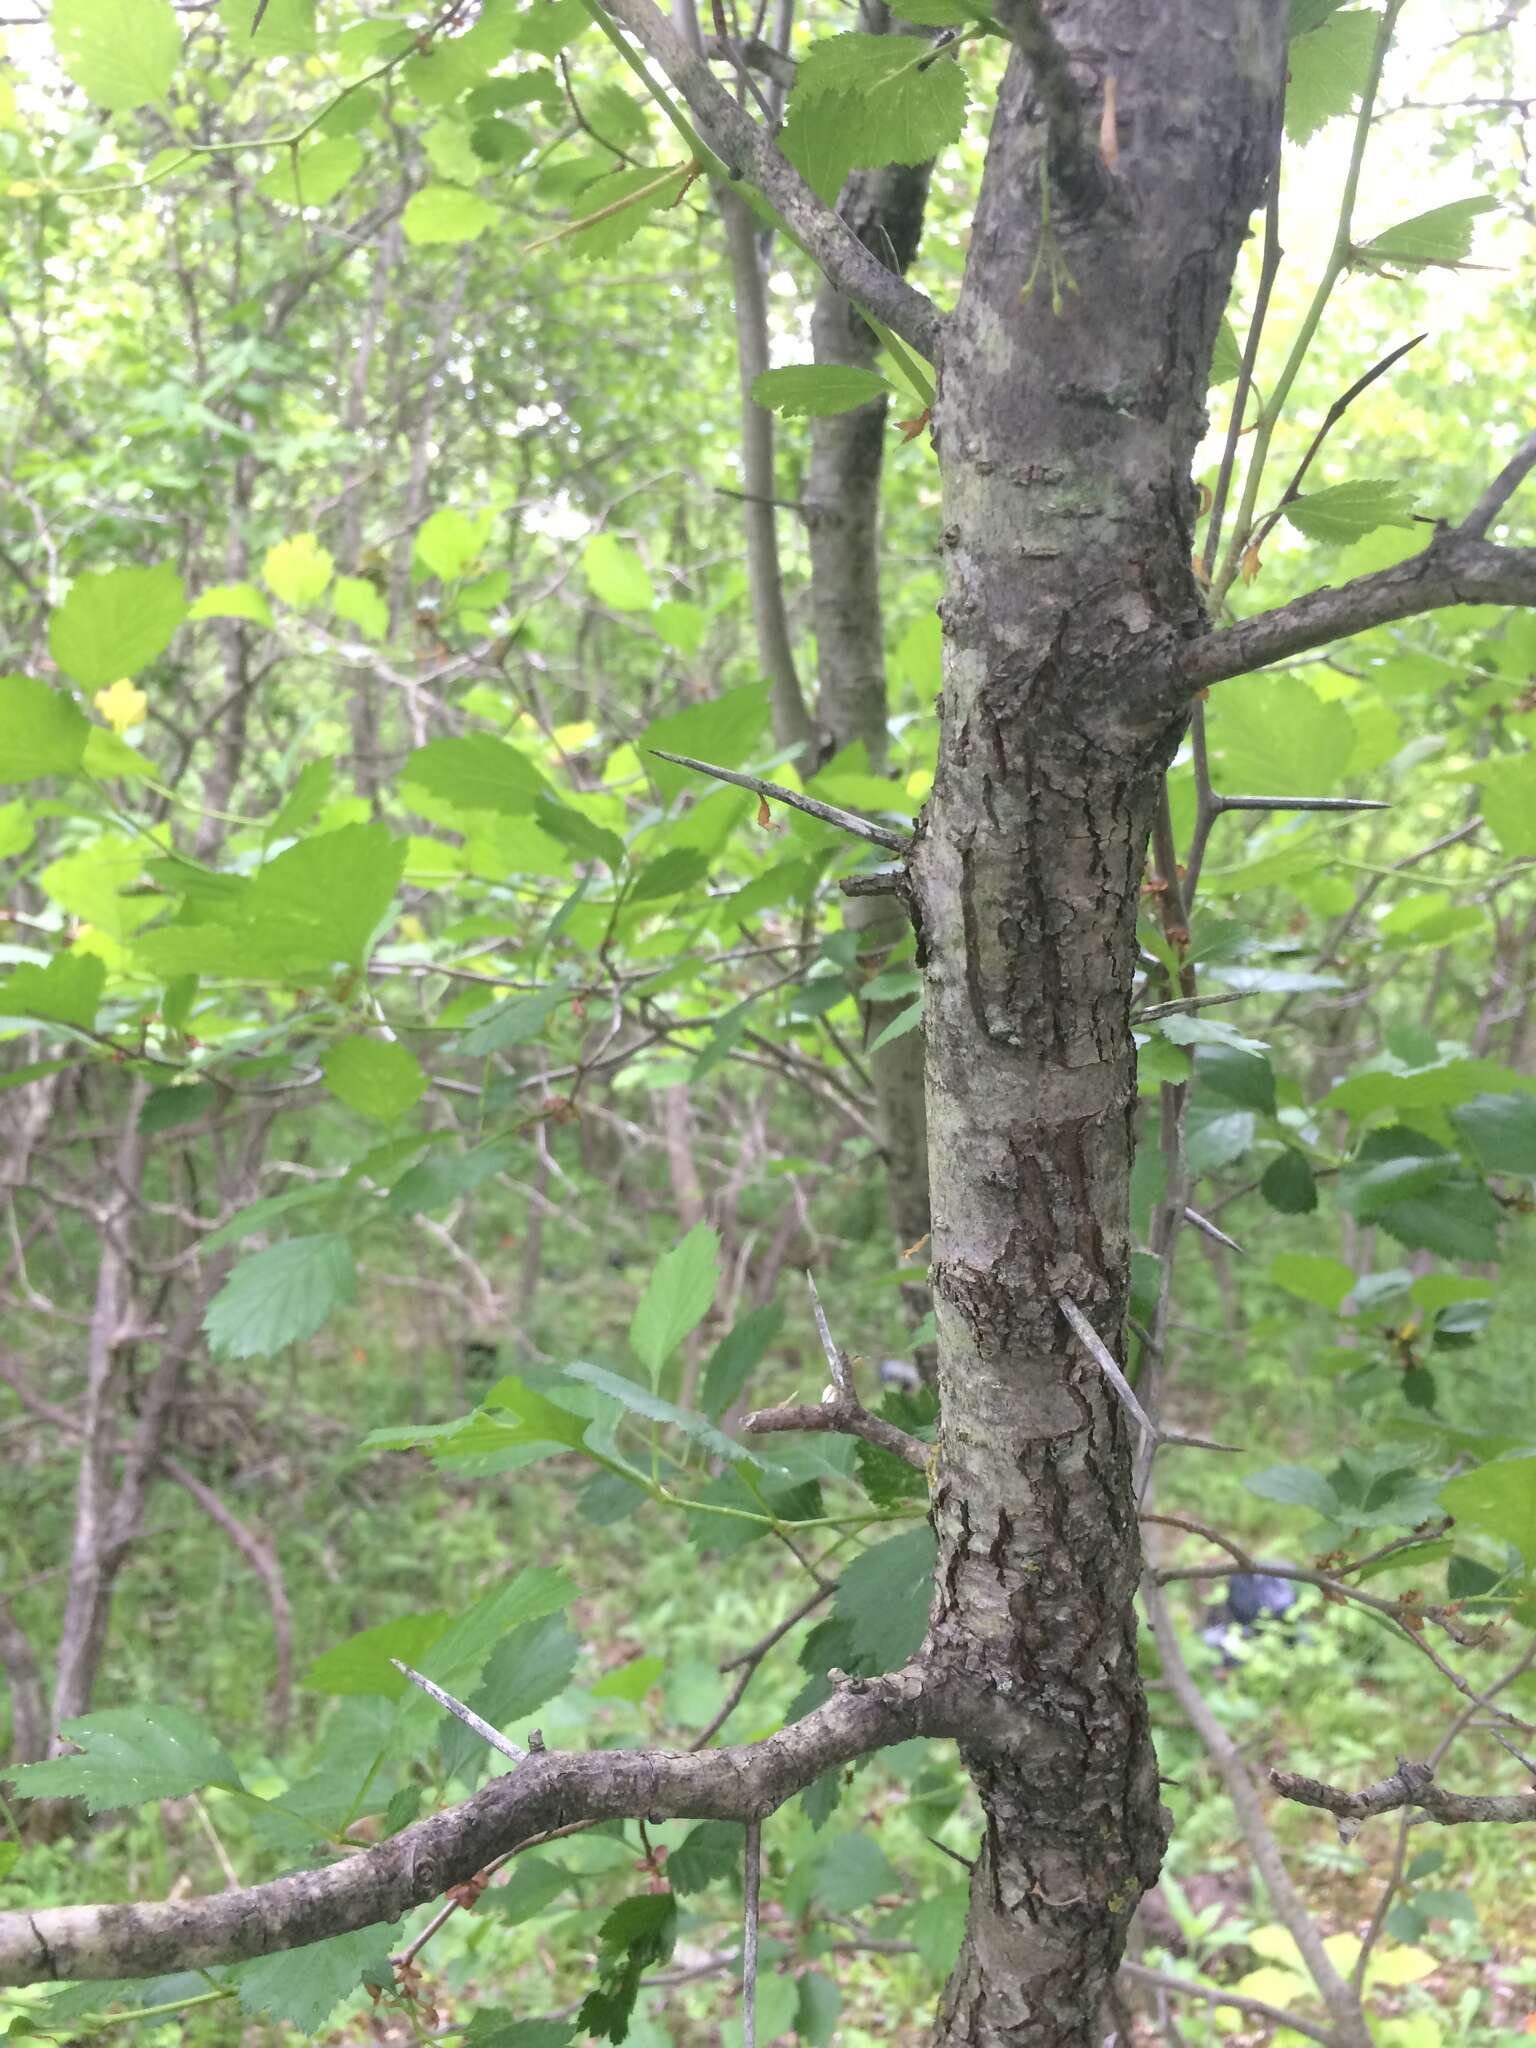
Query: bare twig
[(829, 814), (465, 1714), (754, 1879), (1215, 1994), (1411, 1784)]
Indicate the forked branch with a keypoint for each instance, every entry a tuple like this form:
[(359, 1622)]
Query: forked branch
[(547, 1791)]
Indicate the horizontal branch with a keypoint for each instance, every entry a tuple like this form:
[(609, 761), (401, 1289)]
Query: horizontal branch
[(842, 1415), (59, 1943), (1219, 1994), (829, 814), (748, 151), (1457, 567), (1410, 1784)]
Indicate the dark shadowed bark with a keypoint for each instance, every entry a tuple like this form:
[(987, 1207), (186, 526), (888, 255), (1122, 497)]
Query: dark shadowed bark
[(1066, 433)]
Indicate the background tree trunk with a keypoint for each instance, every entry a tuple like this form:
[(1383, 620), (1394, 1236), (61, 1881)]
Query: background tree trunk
[(1066, 433)]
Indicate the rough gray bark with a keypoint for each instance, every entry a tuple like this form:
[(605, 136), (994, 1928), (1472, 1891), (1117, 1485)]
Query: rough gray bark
[(1065, 442)]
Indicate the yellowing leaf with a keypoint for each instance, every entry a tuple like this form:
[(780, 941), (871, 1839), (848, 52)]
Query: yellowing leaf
[(122, 705), (1398, 1966), (298, 570)]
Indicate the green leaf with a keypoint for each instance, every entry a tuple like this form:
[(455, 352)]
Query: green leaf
[(1274, 736), (617, 576), (121, 53), (298, 571), (361, 1666), (280, 1296), (1509, 801), (851, 1872), (533, 1887), (321, 900), (889, 1481), (1441, 236), (303, 1986), (1234, 1074), (1328, 70), (1500, 1498), (232, 601), (477, 773), (66, 991), (1442, 1086), (1324, 1281), (735, 1357), (899, 1026), (631, 1681), (641, 1402), (446, 213), (458, 1658), (448, 542), (680, 868), (311, 788), (42, 731), (708, 1854), (377, 1077), (114, 624), (816, 390), (1227, 358), (678, 1296), (636, 1936), (131, 1754), (895, 100), (315, 175), (1500, 1132), (168, 1109), (819, 2001), (817, 138), (526, 1669), (1345, 512), (880, 1608), (440, 1179), (574, 829), (722, 730), (517, 1021), (355, 600), (644, 191), (1298, 1486), (1288, 1185), (680, 624), (286, 28)]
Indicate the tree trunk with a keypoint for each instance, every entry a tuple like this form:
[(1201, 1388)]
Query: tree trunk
[(1065, 439)]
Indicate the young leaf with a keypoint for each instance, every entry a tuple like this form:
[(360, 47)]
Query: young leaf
[(640, 1402), (42, 731), (315, 175), (1441, 236), (232, 601), (377, 1077), (814, 390), (896, 100), (446, 213), (677, 1298), (130, 1754), (448, 542), (66, 991), (298, 571), (517, 1021), (354, 599), (361, 1664), (280, 1296), (121, 53), (1328, 68), (900, 1025), (1346, 511), (617, 575), (115, 624), (1500, 1498)]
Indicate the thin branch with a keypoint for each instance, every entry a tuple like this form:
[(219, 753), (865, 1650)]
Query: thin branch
[(829, 814), (1297, 803), (56, 1944), (747, 151), (1502, 489), (837, 1363), (462, 1713), (754, 1880), (1411, 1784), (841, 1415), (1214, 1994), (1456, 568)]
